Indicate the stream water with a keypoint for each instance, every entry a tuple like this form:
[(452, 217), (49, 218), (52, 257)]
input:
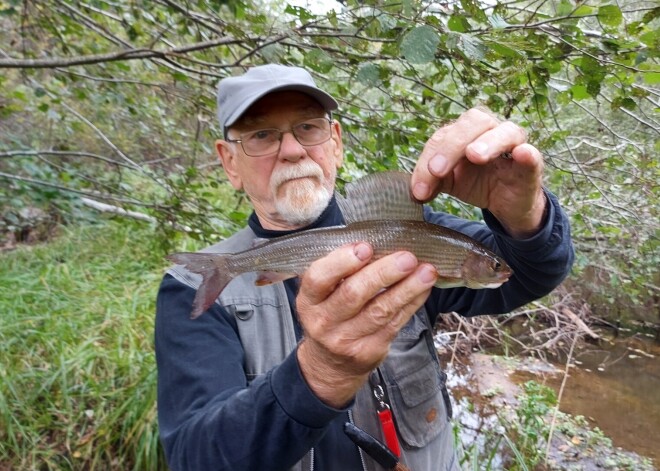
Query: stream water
[(616, 386)]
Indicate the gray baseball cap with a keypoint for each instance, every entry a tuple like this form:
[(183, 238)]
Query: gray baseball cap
[(237, 94)]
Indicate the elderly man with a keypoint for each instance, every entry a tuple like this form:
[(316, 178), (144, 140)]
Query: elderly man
[(268, 376)]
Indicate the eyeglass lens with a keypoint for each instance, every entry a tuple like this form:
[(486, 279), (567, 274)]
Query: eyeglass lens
[(310, 132)]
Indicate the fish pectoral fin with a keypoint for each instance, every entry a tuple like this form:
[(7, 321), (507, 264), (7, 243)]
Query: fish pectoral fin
[(449, 282), (269, 277)]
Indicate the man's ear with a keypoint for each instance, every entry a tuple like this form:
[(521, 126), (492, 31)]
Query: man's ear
[(339, 145), (227, 158)]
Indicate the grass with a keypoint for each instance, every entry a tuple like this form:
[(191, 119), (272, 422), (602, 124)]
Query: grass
[(76, 327)]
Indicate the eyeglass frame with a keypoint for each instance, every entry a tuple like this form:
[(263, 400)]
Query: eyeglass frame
[(282, 132)]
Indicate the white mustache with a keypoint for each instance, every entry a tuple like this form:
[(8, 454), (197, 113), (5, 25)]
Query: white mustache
[(291, 172)]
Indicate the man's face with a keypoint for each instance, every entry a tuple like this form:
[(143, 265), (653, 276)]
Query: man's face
[(288, 188)]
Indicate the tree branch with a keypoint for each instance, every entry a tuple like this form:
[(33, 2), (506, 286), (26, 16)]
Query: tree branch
[(125, 55), (61, 153)]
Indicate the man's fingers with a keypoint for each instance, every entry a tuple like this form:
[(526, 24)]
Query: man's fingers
[(529, 156), (492, 143), (322, 276), (445, 148), (392, 308), (359, 289)]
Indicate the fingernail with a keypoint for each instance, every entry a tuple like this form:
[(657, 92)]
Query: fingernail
[(437, 165), (406, 261), (479, 148), (421, 191), (362, 251), (427, 274)]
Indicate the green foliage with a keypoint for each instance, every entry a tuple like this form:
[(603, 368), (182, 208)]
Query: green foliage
[(532, 428), (518, 442), (79, 382), (133, 118)]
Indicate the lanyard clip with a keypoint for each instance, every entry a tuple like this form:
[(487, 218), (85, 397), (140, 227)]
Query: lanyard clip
[(379, 394), (385, 416)]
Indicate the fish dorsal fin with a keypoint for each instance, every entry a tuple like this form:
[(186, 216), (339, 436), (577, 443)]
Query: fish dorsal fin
[(380, 196)]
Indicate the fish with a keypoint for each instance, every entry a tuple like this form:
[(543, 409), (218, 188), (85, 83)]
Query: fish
[(378, 209)]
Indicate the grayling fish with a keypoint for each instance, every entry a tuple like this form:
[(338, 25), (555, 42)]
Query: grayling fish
[(378, 209)]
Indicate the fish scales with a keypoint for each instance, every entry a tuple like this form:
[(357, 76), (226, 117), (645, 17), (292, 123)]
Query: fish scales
[(444, 248)]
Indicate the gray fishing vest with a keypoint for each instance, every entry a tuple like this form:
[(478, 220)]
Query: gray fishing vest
[(412, 377)]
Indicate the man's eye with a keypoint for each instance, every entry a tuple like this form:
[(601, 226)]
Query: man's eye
[(307, 127), (262, 135)]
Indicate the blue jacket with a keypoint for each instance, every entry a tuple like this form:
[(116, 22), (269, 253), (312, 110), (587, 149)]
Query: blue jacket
[(211, 419)]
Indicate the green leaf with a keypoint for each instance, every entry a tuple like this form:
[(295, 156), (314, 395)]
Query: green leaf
[(651, 38), (565, 8), (503, 50), (610, 15), (369, 74), (593, 88), (303, 14), (458, 23), (563, 98), (592, 68), (579, 92), (583, 10), (628, 103), (420, 44), (387, 22), (652, 78), (319, 60), (472, 7), (407, 7), (472, 47)]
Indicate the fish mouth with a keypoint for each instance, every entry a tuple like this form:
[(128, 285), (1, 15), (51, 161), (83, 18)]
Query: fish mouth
[(491, 285), (491, 282)]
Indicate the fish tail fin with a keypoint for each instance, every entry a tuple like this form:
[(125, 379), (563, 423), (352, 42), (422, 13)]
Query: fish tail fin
[(215, 272)]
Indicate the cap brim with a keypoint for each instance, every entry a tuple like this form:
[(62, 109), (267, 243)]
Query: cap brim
[(324, 99)]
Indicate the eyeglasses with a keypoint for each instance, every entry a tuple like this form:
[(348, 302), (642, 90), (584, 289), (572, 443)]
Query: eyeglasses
[(310, 132)]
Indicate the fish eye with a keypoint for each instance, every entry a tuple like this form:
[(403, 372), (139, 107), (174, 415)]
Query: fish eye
[(497, 266)]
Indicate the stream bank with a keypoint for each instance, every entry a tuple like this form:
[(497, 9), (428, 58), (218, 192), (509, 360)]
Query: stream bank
[(609, 410)]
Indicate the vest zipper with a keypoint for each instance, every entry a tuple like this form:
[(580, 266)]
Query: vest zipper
[(350, 419), (311, 461)]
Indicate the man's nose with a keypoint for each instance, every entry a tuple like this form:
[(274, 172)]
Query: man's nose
[(290, 148)]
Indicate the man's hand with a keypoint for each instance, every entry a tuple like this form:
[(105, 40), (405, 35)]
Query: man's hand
[(463, 159), (350, 311)]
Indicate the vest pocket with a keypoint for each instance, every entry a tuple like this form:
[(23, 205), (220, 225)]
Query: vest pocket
[(415, 385), (264, 326)]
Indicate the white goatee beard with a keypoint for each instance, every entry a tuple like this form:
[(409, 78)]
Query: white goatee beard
[(300, 202)]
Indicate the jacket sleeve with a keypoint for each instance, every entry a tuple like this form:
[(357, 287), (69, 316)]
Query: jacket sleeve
[(209, 417), (539, 263)]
